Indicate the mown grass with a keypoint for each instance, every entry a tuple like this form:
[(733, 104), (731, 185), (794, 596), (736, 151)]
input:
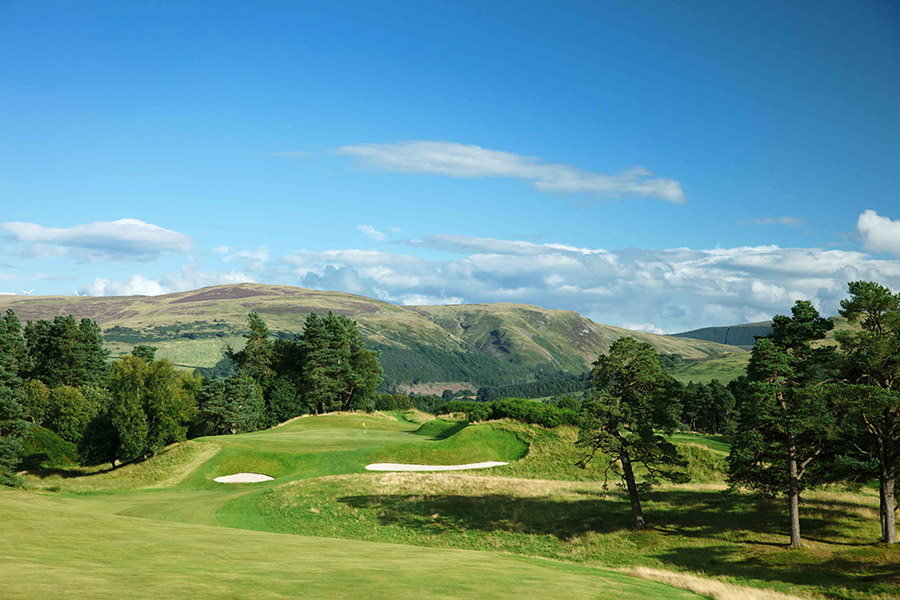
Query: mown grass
[(51, 548), (540, 505)]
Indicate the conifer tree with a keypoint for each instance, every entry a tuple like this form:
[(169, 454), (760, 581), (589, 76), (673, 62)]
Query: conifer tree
[(628, 417), (786, 420), (870, 393)]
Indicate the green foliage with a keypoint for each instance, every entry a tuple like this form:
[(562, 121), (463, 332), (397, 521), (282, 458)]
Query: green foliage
[(70, 412), (145, 351), (517, 409), (629, 416), (150, 407), (36, 400), (14, 430), (709, 408), (544, 385), (44, 449), (66, 352), (786, 420), (229, 407), (14, 427), (869, 396), (338, 372), (388, 402)]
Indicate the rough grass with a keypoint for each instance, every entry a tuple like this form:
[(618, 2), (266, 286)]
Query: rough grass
[(694, 529), (166, 469)]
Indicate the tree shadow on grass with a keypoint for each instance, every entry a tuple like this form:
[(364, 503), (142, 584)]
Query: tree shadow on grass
[(706, 531), (868, 572), (495, 512)]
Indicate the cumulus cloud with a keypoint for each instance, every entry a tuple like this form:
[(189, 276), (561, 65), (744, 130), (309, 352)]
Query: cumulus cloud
[(653, 290), (370, 231), (189, 278), (789, 221), (879, 234), (124, 239), (460, 160)]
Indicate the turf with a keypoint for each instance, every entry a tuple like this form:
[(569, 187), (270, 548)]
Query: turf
[(55, 548), (541, 505)]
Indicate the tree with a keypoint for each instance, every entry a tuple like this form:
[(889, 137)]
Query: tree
[(13, 424), (255, 360), (70, 412), (145, 351), (786, 421), (628, 417), (65, 352), (149, 408), (870, 391), (13, 431), (232, 406)]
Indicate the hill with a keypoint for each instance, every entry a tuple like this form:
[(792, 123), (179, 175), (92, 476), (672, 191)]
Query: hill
[(483, 344), (743, 336)]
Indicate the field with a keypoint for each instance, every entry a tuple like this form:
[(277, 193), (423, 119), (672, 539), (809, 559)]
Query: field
[(326, 528)]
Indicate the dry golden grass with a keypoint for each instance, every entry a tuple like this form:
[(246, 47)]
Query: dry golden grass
[(718, 590)]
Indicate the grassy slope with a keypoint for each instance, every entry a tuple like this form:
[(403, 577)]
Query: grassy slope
[(524, 336), (541, 505)]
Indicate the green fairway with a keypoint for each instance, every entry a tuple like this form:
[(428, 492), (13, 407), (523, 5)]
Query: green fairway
[(541, 505), (54, 547)]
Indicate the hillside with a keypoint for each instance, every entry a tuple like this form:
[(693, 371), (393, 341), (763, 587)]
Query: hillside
[(743, 335), (485, 344)]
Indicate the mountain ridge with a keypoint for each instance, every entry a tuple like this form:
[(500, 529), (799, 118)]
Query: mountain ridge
[(480, 343)]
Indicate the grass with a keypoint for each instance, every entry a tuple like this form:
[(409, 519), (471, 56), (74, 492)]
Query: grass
[(540, 505), (52, 548)]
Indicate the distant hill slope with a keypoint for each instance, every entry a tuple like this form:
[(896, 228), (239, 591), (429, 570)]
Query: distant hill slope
[(743, 335), (485, 344)]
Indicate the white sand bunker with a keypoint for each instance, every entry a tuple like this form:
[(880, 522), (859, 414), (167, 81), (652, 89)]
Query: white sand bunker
[(243, 478), (402, 467)]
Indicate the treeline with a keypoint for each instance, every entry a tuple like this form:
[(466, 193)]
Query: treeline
[(518, 409), (423, 363), (62, 401), (557, 384)]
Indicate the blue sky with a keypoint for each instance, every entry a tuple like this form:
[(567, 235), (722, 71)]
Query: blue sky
[(662, 166)]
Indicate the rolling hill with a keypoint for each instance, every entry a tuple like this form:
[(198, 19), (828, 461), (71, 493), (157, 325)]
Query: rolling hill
[(482, 344)]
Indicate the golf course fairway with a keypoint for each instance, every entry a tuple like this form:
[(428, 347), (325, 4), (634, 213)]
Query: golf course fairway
[(135, 532)]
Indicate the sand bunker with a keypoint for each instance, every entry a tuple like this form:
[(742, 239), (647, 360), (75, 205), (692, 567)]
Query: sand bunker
[(243, 478), (402, 467)]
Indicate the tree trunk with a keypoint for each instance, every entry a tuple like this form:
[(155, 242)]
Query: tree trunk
[(794, 500), (632, 492), (886, 495)]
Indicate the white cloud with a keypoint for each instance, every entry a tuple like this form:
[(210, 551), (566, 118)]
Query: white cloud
[(124, 239), (654, 290), (459, 160), (879, 234), (370, 231), (188, 279), (789, 221), (260, 255)]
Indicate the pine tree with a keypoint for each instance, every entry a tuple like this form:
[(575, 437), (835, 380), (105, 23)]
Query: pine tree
[(870, 393), (786, 421), (628, 418)]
